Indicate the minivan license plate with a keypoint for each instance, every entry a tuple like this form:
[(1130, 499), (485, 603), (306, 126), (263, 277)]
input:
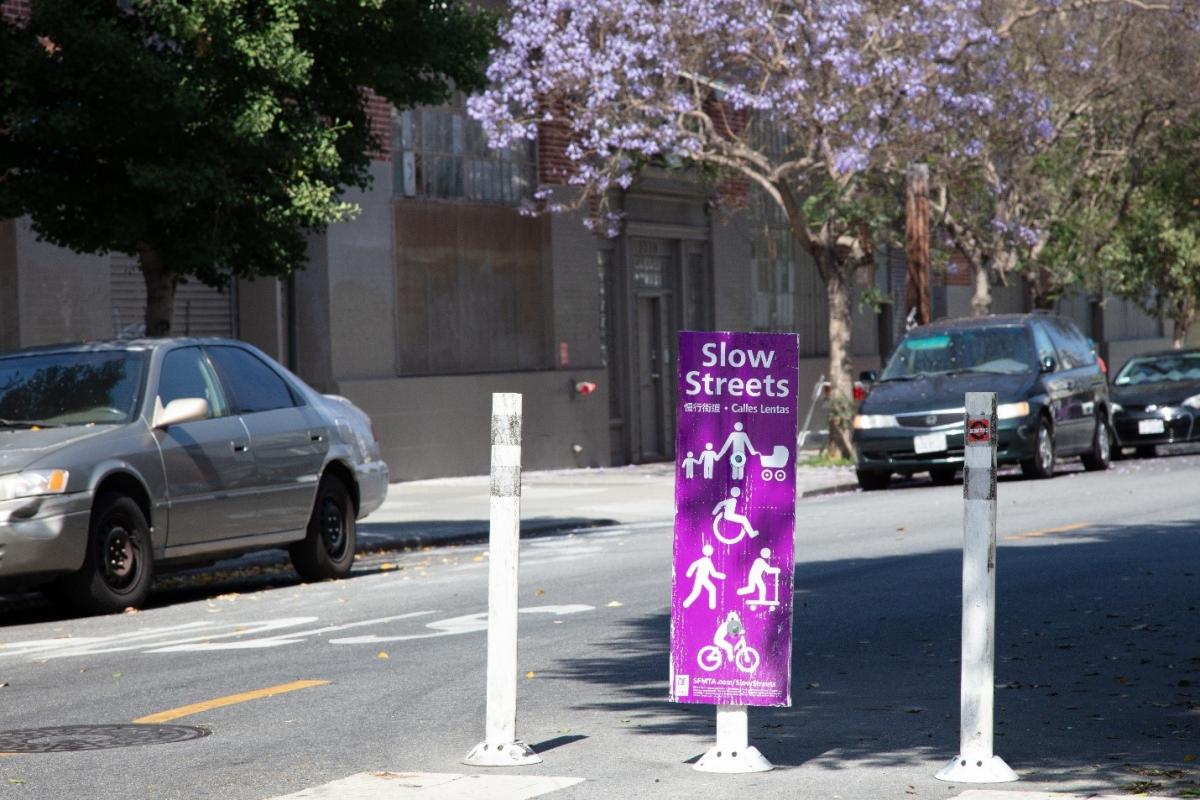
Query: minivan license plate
[(929, 443), (1148, 426)]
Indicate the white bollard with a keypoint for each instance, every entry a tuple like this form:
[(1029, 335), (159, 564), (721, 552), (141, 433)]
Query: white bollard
[(975, 762), (500, 747), (733, 752)]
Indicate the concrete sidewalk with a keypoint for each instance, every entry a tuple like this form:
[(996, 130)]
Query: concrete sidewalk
[(455, 510)]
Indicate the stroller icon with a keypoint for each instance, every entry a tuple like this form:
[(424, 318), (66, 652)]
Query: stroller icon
[(772, 465)]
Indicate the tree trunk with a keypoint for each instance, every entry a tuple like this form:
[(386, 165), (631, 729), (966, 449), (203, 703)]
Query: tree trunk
[(981, 300), (916, 238), (841, 378), (160, 291), (1185, 314)]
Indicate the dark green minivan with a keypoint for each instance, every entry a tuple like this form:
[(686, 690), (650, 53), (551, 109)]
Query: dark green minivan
[(1052, 398)]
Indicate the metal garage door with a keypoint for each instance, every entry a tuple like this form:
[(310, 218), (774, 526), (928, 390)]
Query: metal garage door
[(199, 310)]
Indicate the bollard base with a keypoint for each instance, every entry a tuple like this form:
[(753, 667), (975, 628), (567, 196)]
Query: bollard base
[(506, 754), (961, 769), (719, 759)]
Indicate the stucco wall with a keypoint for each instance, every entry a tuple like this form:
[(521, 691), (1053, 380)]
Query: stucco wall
[(362, 283), (10, 319), (438, 426), (576, 288), (733, 281)]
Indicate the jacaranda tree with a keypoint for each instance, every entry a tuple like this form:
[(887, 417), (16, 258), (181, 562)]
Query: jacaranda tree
[(810, 100)]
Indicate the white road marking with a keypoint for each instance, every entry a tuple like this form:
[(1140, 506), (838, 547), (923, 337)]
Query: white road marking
[(292, 637), (469, 623), (249, 635), (433, 786), (95, 645)]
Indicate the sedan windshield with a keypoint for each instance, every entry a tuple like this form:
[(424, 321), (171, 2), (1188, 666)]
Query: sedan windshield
[(72, 388), (1170, 368), (1004, 350)]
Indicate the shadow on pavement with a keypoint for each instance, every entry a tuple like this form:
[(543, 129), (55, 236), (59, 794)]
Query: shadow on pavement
[(270, 569), (1097, 668)]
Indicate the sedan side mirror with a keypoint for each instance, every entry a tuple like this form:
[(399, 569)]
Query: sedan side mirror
[(1049, 364), (868, 376), (177, 412)]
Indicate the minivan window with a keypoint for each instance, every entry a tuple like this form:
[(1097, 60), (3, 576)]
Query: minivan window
[(1005, 350), (1042, 340), (1072, 347)]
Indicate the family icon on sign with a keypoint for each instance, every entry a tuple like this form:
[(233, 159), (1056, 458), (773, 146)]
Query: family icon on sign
[(737, 444)]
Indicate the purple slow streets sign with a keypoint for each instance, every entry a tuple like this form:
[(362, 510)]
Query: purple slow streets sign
[(735, 506)]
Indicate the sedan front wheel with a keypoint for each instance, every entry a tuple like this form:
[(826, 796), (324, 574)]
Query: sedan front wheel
[(119, 562)]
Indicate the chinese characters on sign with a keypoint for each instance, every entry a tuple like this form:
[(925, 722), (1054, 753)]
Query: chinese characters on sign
[(735, 504)]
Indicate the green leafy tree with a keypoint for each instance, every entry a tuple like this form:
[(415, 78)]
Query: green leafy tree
[(208, 137), (1038, 199), (1154, 258)]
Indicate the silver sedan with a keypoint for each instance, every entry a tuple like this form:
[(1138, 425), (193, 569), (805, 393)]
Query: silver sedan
[(118, 457)]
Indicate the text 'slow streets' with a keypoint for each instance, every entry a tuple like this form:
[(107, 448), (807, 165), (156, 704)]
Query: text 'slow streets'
[(289, 686)]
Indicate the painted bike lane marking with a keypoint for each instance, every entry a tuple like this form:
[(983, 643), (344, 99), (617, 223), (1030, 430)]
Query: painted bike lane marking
[(256, 635)]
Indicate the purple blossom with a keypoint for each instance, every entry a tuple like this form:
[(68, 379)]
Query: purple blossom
[(636, 81)]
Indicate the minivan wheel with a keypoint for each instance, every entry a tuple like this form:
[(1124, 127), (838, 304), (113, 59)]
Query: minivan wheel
[(872, 480), (1042, 463), (328, 549), (119, 562), (1101, 455)]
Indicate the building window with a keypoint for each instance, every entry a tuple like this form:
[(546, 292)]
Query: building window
[(651, 262), (442, 153), (775, 260), (473, 289)]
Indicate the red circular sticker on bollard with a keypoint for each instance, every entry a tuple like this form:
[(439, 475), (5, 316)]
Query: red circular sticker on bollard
[(979, 430)]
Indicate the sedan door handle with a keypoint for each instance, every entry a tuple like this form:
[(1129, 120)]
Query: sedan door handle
[(316, 437), (239, 447)]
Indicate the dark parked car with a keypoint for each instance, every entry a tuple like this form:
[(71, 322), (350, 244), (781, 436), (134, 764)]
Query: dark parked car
[(1051, 392), (119, 457), (1156, 400)]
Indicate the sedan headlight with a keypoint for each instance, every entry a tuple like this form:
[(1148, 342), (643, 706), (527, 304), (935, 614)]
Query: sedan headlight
[(1117, 408), (1012, 410), (864, 422), (32, 483), (1193, 402)]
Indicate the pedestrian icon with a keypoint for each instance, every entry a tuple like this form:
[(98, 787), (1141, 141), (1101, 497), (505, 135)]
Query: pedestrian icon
[(704, 571)]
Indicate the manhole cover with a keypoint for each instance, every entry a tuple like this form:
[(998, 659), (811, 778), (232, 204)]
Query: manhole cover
[(66, 738)]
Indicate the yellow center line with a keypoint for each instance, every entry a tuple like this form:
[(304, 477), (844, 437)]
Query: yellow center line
[(1047, 531), (228, 700)]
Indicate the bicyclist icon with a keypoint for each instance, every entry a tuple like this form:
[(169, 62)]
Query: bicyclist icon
[(743, 656), (726, 512)]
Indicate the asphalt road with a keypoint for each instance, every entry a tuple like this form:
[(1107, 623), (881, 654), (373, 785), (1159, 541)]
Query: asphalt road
[(1098, 660)]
